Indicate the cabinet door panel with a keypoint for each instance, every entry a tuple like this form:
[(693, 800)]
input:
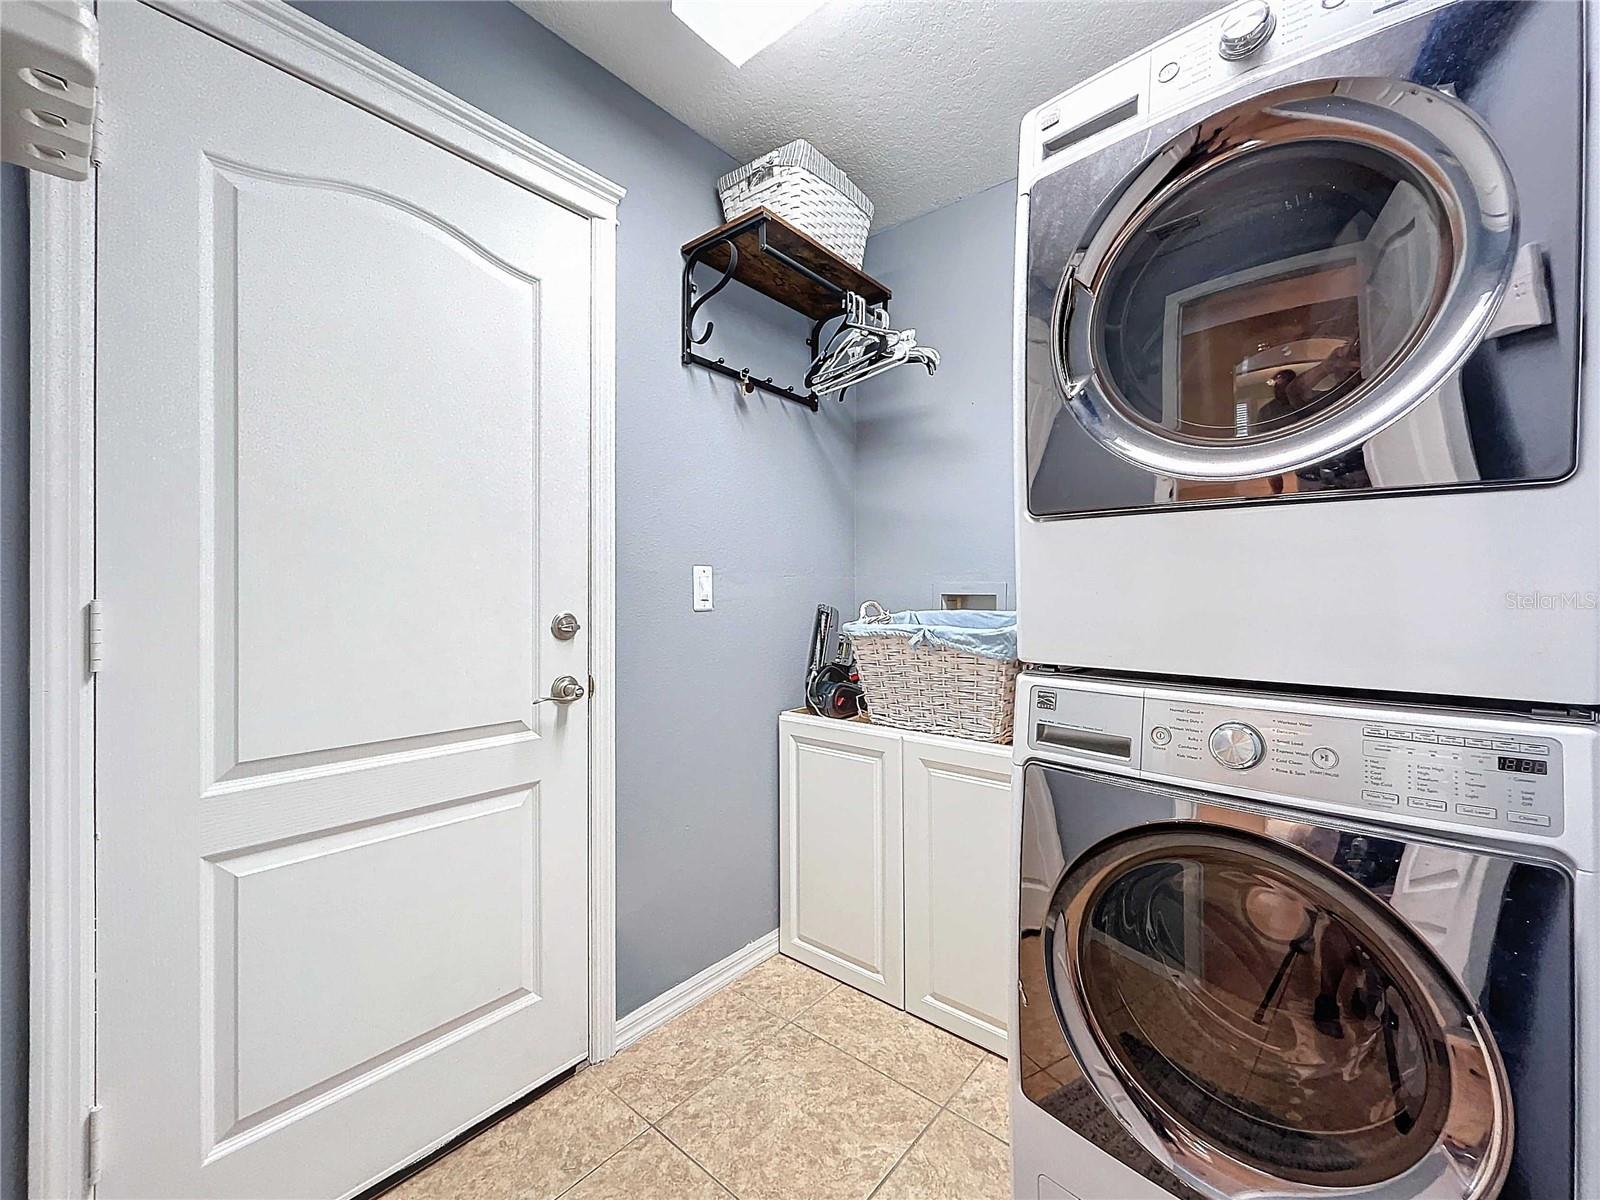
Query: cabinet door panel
[(840, 851), (957, 886)]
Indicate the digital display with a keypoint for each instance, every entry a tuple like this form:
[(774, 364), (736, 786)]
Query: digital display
[(1525, 766)]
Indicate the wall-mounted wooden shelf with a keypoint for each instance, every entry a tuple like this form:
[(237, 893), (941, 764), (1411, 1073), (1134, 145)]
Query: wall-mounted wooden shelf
[(764, 252), (770, 251)]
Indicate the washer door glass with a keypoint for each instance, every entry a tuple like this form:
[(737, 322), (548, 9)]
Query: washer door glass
[(1276, 1025), (1283, 281)]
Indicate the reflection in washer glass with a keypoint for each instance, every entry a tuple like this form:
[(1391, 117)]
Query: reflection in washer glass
[(1266, 1015)]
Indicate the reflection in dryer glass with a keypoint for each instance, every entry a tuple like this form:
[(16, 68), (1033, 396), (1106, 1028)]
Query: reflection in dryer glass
[(1268, 293), (1254, 286)]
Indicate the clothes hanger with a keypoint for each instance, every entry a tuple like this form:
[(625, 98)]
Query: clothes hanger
[(865, 346), (858, 340), (877, 353)]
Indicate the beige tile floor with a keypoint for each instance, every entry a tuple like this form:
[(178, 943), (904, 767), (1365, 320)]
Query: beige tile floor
[(784, 1085)]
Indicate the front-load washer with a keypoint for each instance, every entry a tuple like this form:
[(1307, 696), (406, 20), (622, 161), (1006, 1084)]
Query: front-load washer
[(1283, 947), (1298, 355)]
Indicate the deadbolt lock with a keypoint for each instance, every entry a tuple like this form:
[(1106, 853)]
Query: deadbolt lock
[(565, 627)]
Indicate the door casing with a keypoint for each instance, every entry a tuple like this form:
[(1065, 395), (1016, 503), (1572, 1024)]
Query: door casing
[(64, 641)]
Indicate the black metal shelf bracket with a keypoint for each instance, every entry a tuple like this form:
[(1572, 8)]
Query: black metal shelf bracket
[(694, 301)]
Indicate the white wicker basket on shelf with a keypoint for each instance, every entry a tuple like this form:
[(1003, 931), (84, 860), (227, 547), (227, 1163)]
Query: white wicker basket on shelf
[(930, 688), (805, 189)]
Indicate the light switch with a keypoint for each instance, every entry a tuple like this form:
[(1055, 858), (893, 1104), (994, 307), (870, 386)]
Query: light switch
[(702, 589)]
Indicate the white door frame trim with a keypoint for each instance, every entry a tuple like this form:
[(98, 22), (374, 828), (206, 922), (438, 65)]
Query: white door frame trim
[(60, 690), (61, 1066)]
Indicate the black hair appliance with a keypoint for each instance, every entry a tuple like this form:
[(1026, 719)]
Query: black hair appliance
[(833, 689)]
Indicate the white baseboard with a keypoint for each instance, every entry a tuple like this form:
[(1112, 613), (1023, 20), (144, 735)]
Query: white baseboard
[(657, 1012)]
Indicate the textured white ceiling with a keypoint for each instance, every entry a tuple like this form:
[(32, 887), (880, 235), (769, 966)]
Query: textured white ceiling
[(917, 100)]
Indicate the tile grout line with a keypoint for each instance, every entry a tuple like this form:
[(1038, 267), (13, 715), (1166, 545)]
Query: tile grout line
[(982, 1052), (655, 1125), (943, 1108), (974, 1125), (938, 1108), (793, 1022), (783, 1023), (891, 1078), (810, 1004), (758, 1008), (863, 1062), (904, 1154), (642, 1133), (961, 1116), (711, 1175)]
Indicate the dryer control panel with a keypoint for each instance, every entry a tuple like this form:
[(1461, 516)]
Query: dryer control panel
[(1487, 772), (1197, 62), (1241, 37)]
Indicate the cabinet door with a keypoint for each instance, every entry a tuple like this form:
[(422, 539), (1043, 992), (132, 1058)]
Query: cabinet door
[(958, 876), (839, 847)]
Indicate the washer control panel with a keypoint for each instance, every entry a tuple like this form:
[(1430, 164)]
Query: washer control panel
[(1483, 772)]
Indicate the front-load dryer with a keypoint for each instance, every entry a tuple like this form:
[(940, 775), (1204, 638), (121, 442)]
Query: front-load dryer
[(1278, 947), (1299, 360)]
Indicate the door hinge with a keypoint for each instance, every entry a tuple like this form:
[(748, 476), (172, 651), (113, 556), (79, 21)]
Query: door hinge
[(97, 636), (91, 1146)]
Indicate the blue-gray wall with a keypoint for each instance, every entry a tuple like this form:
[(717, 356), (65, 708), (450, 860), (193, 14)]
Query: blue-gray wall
[(933, 500), (13, 679), (758, 487)]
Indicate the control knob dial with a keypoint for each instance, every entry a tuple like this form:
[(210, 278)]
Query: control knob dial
[(1245, 29), (1236, 746)]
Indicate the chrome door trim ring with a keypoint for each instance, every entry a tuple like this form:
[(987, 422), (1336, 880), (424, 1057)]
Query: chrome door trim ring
[(1429, 132), (1437, 1175)]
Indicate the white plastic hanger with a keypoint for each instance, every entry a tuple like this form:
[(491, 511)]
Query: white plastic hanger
[(864, 346)]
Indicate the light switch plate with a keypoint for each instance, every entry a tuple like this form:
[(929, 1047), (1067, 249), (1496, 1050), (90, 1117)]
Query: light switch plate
[(702, 589)]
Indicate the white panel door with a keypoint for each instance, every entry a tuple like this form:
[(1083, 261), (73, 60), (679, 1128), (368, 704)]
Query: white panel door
[(959, 869), (839, 847), (342, 422)]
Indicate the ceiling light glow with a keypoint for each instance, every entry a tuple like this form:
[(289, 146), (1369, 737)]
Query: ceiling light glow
[(740, 29)]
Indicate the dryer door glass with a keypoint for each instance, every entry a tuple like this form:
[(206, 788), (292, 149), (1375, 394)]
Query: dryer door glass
[(1279, 1028), (1282, 282), (1264, 296)]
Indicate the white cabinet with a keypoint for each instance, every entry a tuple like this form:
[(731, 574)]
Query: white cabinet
[(958, 859), (896, 867), (839, 846)]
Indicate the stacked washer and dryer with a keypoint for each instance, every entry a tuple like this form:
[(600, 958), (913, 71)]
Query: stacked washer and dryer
[(1308, 543)]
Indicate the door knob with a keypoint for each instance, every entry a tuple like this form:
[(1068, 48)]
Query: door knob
[(565, 627), (567, 689)]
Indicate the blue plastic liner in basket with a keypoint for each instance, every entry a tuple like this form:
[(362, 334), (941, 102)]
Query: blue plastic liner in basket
[(986, 633)]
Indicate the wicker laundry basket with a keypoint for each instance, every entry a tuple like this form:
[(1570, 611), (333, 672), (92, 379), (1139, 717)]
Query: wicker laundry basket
[(805, 189), (915, 682)]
